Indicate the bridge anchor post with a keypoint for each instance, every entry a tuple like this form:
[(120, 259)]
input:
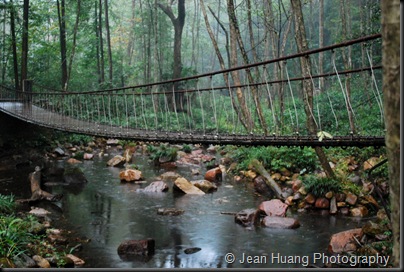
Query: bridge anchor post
[(27, 90)]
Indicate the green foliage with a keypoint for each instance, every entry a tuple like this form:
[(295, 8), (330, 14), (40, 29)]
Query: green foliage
[(320, 186), (7, 203), (187, 148), (348, 186), (275, 158), (162, 153)]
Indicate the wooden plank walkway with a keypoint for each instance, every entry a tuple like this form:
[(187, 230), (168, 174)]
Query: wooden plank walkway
[(36, 115)]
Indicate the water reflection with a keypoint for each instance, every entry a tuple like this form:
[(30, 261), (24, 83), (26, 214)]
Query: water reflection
[(109, 212)]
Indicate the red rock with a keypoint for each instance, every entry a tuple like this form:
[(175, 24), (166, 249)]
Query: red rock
[(213, 174), (280, 222), (116, 161), (76, 260), (205, 185), (274, 207), (137, 247), (340, 197), (344, 241), (351, 199), (322, 203), (276, 176), (88, 156), (310, 198), (73, 161), (130, 175)]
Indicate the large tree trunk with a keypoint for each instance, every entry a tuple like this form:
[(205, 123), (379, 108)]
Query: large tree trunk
[(391, 94), (62, 34), (101, 44), (178, 23), (321, 44), (305, 66), (75, 30)]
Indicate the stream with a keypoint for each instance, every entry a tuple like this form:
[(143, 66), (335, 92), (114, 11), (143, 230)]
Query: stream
[(109, 212)]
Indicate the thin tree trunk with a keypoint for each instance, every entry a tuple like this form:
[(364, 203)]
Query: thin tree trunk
[(391, 93), (221, 61), (346, 56), (14, 46), (62, 33), (97, 46), (305, 66), (75, 30), (235, 31), (102, 62), (24, 54), (321, 44), (109, 50)]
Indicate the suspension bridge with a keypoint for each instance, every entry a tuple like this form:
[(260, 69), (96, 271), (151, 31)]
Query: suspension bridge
[(255, 104)]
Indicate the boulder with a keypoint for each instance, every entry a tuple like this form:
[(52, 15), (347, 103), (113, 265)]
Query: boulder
[(187, 187), (213, 174), (296, 185), (137, 247), (322, 203), (351, 199), (310, 198), (169, 211), (117, 161), (360, 211), (274, 207), (74, 175), (169, 176), (156, 187), (372, 229), (192, 250), (73, 161), (41, 262), (88, 156), (77, 261), (280, 222), (333, 205), (262, 187), (370, 163), (130, 175), (248, 217), (59, 151), (205, 185), (344, 241)]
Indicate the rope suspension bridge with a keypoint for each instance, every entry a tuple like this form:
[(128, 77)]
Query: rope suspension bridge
[(209, 108)]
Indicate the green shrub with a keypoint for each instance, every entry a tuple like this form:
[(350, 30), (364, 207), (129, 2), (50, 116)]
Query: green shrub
[(320, 186), (7, 203), (163, 153)]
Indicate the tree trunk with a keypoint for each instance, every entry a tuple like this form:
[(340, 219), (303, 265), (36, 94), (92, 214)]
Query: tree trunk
[(346, 56), (108, 42), (178, 23), (24, 54), (97, 46), (62, 34), (305, 66), (14, 45), (235, 74), (102, 62), (37, 193), (391, 93), (321, 44), (75, 30), (221, 60), (268, 179), (234, 30)]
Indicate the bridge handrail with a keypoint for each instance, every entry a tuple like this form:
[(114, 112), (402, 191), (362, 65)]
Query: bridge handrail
[(210, 74)]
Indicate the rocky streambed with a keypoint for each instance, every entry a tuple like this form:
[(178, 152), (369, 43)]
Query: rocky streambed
[(120, 210)]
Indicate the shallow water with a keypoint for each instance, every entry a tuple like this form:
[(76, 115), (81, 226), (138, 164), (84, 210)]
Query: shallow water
[(108, 212)]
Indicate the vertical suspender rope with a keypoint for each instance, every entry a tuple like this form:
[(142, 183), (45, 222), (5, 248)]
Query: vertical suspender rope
[(332, 109), (214, 105), (376, 93), (270, 98), (126, 114), (134, 109), (348, 104), (143, 113), (175, 107), (318, 109), (167, 109), (154, 109), (233, 106), (293, 98), (200, 102)]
